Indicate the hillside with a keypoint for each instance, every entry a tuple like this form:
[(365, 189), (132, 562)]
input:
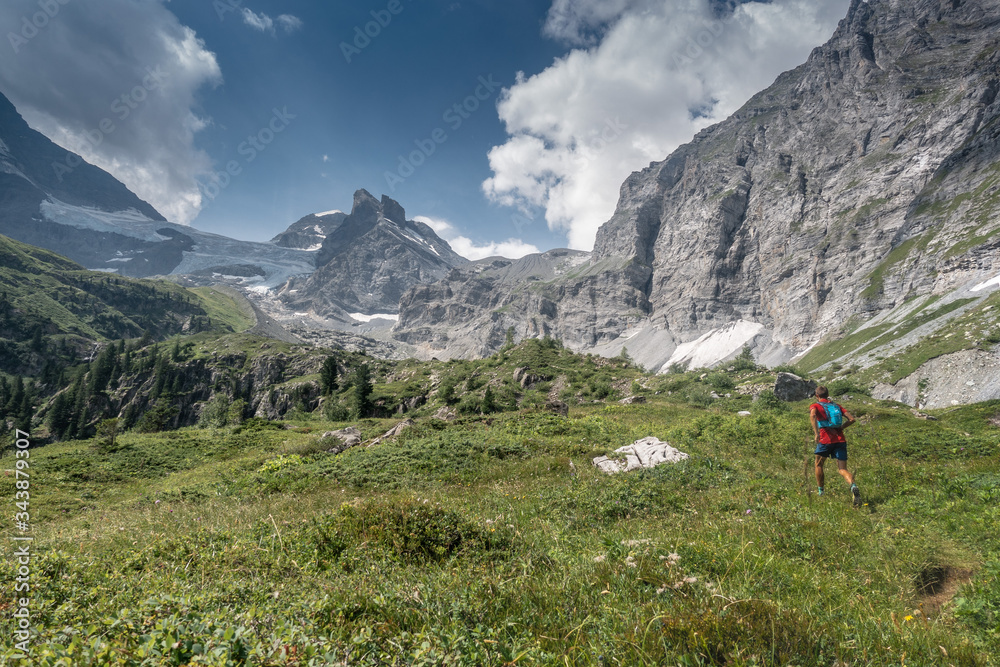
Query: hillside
[(491, 539), (54, 309)]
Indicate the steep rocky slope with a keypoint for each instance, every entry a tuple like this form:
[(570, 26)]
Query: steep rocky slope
[(862, 179), (366, 264), (310, 232)]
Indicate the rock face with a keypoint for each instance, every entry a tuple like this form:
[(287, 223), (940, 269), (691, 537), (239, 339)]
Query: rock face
[(368, 262), (860, 179), (310, 232), (964, 377)]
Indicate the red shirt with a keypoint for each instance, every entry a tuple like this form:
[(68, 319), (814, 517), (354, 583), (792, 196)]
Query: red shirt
[(827, 436)]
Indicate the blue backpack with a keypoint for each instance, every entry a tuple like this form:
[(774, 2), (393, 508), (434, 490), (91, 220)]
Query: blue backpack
[(834, 416)]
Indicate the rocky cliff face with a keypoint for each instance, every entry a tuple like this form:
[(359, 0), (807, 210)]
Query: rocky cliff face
[(863, 178), (310, 232), (368, 262)]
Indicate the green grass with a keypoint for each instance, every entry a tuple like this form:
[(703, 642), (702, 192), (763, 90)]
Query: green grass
[(828, 351), (225, 309), (477, 543)]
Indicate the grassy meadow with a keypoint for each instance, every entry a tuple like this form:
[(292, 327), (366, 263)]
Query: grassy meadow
[(492, 540)]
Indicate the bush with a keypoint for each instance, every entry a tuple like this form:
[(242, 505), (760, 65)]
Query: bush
[(721, 381), (334, 411), (768, 401), (410, 531)]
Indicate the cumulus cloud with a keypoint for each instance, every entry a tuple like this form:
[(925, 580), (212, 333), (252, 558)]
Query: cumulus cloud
[(115, 81), (658, 71), (265, 23), (511, 248)]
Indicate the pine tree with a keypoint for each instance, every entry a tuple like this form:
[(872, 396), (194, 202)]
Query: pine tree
[(362, 382), (328, 376), (60, 415)]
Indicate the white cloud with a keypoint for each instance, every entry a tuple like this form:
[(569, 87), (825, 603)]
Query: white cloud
[(261, 21), (290, 23), (660, 71), (511, 248), (129, 62), (265, 23)]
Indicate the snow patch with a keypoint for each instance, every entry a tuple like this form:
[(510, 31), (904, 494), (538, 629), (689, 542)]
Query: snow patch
[(716, 345), (995, 282), (361, 317), (323, 215), (314, 248)]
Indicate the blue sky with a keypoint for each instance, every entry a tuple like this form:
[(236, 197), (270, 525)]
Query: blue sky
[(557, 102)]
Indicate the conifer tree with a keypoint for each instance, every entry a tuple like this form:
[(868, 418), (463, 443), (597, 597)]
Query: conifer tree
[(328, 376)]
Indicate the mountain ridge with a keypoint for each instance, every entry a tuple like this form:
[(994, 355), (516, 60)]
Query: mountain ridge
[(863, 178)]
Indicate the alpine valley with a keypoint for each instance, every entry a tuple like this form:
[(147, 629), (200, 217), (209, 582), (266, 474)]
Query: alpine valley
[(350, 445)]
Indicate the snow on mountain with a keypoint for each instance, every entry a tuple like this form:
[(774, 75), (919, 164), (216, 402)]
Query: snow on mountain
[(260, 264)]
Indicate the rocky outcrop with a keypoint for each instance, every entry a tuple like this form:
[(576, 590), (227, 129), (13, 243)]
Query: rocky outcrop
[(964, 377), (369, 261), (858, 180), (646, 453), (345, 439)]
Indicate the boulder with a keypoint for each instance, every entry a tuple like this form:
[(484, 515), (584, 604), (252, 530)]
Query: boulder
[(790, 387), (646, 453), (445, 414), (349, 437), (394, 431), (525, 379)]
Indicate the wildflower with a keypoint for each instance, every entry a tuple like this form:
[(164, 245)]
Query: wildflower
[(630, 561), (908, 618), (749, 512), (599, 559)]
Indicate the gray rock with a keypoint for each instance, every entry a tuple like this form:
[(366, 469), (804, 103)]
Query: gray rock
[(394, 431), (349, 437), (646, 453), (790, 387), (526, 379), (446, 414)]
